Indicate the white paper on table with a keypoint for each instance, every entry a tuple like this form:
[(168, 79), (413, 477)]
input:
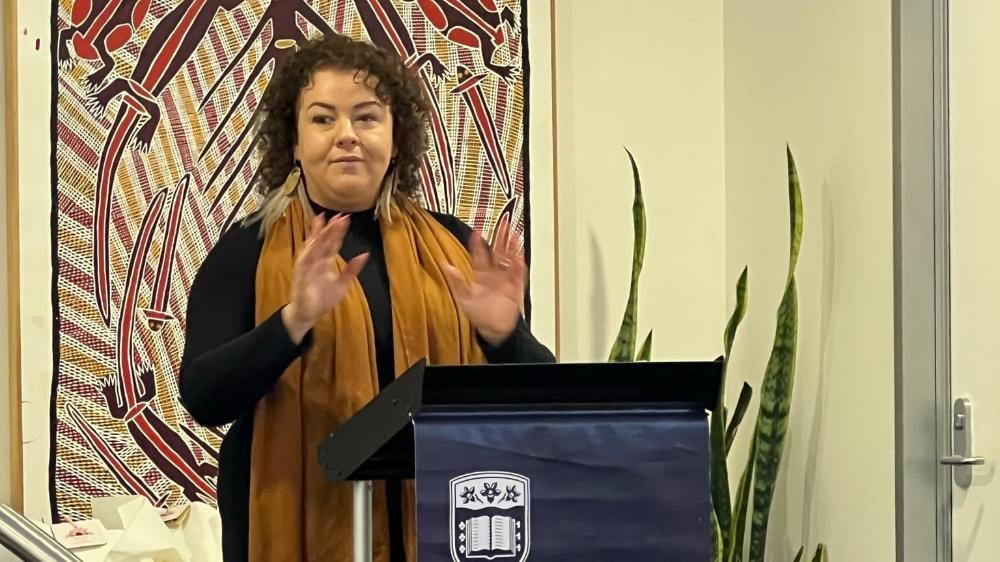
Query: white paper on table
[(144, 534), (201, 532), (168, 514), (99, 553), (94, 536), (116, 512)]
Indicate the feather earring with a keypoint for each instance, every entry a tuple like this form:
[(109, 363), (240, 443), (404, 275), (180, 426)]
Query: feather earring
[(292, 181)]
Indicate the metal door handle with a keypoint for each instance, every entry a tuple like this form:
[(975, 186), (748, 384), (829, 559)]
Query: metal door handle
[(962, 460), (956, 460)]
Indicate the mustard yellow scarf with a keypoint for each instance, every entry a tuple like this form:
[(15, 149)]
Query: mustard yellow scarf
[(295, 514)]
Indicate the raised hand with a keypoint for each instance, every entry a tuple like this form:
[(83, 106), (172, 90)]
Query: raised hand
[(317, 287), (492, 299)]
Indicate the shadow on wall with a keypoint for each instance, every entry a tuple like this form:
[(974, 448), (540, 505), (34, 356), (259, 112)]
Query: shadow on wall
[(598, 295)]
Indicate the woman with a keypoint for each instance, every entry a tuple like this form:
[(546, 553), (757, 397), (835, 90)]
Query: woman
[(301, 314)]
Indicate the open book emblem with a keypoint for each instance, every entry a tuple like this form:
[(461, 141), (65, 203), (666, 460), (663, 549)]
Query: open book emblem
[(490, 516)]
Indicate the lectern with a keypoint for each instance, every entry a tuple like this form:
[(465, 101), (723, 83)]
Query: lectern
[(548, 463)]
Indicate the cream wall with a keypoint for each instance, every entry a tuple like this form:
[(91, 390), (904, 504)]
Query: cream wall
[(818, 75), (5, 412), (649, 77), (975, 265), (34, 98), (542, 205), (705, 98)]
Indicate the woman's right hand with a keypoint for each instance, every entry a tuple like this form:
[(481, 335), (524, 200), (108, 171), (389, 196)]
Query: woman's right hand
[(316, 285)]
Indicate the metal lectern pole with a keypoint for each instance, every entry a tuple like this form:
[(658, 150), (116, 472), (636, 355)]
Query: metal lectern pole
[(363, 521)]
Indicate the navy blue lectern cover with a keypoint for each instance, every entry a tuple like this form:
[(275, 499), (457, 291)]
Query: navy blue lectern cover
[(600, 486)]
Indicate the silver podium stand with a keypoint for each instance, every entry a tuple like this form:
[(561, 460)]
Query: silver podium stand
[(362, 520)]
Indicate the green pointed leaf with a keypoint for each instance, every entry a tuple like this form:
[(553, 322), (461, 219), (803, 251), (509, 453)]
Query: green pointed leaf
[(772, 417), (624, 346), (719, 474), (734, 552), (717, 423), (794, 213), (776, 390), (798, 557), (716, 540), (739, 311), (741, 409), (647, 348), (821, 554)]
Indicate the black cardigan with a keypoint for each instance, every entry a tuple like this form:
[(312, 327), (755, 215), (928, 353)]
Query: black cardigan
[(229, 363)]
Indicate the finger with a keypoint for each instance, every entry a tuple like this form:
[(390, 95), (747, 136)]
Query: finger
[(327, 273), (503, 237), (318, 245), (320, 257), (308, 255), (319, 225), (456, 282), (519, 274), (331, 247), (339, 222), (322, 267), (494, 242), (315, 227), (518, 271), (501, 264), (511, 248), (318, 222), (501, 246), (329, 241), (479, 252), (354, 267), (338, 234)]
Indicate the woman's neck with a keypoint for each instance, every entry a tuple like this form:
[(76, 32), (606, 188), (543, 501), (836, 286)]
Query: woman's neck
[(334, 207), (329, 212), (326, 204)]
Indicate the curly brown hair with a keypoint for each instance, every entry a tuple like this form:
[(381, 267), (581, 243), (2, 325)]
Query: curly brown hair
[(396, 86)]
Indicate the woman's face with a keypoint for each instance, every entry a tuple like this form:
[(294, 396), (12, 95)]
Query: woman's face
[(344, 139)]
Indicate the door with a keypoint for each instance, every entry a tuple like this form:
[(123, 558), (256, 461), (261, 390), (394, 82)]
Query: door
[(974, 201)]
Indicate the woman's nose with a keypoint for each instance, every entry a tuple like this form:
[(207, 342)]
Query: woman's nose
[(345, 135)]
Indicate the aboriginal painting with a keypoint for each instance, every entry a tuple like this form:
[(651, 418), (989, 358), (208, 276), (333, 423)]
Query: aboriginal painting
[(154, 153)]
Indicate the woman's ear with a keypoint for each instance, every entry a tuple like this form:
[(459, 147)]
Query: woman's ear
[(295, 138)]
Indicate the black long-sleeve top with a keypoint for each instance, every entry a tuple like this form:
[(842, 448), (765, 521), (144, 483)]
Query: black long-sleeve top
[(230, 363)]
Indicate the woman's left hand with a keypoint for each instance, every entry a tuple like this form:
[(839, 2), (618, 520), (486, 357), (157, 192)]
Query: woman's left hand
[(492, 298)]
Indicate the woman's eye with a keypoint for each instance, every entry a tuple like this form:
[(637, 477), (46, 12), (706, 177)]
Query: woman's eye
[(368, 117), (322, 119)]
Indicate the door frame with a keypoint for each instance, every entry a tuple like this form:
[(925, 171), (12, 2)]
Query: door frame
[(11, 240), (922, 295)]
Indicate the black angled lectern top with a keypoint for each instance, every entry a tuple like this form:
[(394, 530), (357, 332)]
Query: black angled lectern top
[(518, 462)]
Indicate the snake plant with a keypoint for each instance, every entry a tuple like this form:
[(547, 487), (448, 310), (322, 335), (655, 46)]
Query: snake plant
[(623, 349), (766, 447)]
